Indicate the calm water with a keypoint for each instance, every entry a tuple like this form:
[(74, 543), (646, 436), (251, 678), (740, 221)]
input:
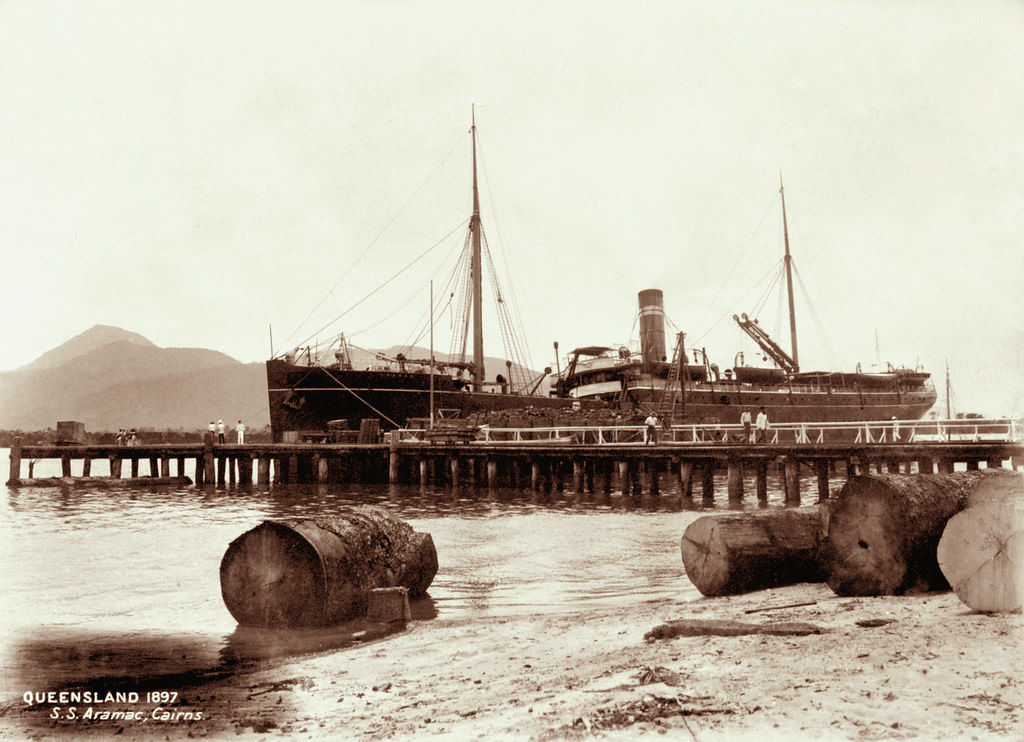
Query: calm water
[(124, 583)]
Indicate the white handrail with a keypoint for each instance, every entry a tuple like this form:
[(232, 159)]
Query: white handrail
[(874, 432)]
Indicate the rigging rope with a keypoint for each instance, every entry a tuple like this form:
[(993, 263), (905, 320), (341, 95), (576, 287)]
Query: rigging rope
[(385, 283), (371, 244)]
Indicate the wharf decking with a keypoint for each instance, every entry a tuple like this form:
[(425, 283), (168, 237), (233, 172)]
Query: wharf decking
[(590, 459)]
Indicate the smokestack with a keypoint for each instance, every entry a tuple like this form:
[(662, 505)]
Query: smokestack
[(652, 327)]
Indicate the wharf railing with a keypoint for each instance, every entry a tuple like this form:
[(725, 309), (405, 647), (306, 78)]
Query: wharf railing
[(812, 433)]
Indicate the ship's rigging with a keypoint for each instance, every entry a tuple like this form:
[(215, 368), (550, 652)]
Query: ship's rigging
[(459, 299)]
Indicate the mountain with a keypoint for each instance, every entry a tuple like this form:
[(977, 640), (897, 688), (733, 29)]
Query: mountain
[(109, 378), (95, 337)]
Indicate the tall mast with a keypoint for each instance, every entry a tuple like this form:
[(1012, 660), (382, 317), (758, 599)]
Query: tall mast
[(788, 260), (476, 269)]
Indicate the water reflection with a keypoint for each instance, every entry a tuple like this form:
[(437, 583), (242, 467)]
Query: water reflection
[(123, 584)]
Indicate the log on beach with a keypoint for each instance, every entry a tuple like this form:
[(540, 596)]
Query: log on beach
[(321, 572), (732, 553), (981, 551), (882, 531)]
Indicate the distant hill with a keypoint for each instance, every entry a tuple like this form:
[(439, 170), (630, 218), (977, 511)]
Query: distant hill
[(92, 339), (109, 378)]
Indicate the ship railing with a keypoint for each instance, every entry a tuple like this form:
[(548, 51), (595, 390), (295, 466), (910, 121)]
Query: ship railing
[(876, 432)]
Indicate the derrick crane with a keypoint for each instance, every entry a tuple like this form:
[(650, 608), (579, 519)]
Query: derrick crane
[(769, 346)]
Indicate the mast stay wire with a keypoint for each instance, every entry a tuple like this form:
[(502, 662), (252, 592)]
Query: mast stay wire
[(389, 315), (444, 298), (743, 254), (373, 242), (409, 265)]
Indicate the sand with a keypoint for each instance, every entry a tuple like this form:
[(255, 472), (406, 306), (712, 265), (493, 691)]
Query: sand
[(903, 667)]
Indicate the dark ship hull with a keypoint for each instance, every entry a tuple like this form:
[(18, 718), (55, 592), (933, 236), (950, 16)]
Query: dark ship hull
[(308, 399)]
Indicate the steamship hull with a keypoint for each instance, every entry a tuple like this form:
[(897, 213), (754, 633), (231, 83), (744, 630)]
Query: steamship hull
[(724, 403), (304, 399), (698, 392)]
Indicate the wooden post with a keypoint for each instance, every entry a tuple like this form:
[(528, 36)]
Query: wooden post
[(577, 475), (424, 470), (245, 470), (735, 479), (893, 466), (135, 467), (209, 465), (154, 466), (492, 472), (15, 470), (323, 467), (652, 470), (65, 465), (86, 466), (263, 470), (293, 469), (762, 481), (624, 477), (393, 458), (821, 468), (232, 462), (534, 475), (686, 478), (181, 466), (925, 466), (945, 466), (972, 465), (791, 472), (708, 484), (453, 470)]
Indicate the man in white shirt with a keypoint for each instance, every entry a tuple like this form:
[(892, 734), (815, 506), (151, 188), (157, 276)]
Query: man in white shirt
[(762, 426)]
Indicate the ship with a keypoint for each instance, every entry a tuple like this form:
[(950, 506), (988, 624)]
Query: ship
[(319, 393), (688, 388)]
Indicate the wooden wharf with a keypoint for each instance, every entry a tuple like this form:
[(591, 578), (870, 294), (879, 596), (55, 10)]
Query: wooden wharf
[(585, 459)]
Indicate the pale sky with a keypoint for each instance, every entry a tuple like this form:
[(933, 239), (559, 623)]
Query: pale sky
[(204, 173)]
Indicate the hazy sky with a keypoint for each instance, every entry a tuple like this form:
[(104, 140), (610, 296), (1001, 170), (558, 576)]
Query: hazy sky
[(202, 172)]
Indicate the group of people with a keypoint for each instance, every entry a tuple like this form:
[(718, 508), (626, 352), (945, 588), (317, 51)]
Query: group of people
[(760, 424), (217, 429), (127, 437)]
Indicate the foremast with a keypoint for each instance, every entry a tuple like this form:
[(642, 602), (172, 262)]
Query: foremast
[(476, 274), (788, 263)]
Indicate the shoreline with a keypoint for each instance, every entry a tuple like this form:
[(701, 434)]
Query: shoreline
[(895, 667)]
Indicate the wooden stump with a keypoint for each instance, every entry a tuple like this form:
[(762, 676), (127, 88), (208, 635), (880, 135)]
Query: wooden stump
[(981, 551), (316, 573), (882, 531), (731, 553)]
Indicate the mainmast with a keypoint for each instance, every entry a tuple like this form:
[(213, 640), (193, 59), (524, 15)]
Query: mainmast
[(788, 260), (476, 272)]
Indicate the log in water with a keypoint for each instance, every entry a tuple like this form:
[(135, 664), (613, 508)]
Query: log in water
[(320, 572)]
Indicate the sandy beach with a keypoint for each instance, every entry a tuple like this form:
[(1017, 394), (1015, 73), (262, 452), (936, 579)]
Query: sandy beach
[(825, 667)]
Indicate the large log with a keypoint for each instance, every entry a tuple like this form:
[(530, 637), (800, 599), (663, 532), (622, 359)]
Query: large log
[(882, 531), (731, 553), (321, 572), (981, 551)]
